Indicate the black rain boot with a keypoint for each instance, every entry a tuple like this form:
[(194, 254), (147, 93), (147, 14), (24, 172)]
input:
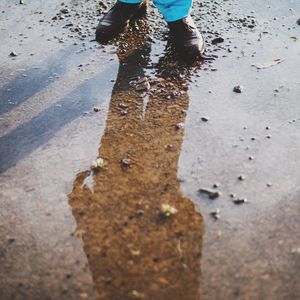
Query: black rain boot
[(187, 38), (117, 18)]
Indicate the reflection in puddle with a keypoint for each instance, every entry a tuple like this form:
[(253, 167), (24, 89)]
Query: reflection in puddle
[(133, 251)]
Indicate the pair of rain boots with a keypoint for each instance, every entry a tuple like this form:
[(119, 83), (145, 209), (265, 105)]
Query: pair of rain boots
[(187, 38)]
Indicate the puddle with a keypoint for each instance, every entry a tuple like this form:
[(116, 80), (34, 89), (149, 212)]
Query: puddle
[(70, 232), (134, 251)]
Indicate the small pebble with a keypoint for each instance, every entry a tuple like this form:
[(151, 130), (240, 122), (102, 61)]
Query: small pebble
[(140, 212), (143, 84), (238, 89), (179, 126), (240, 201), (217, 40), (96, 109), (168, 210), (215, 214), (210, 193), (126, 162), (204, 119)]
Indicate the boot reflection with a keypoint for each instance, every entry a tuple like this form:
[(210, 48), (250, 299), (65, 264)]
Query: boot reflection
[(133, 250)]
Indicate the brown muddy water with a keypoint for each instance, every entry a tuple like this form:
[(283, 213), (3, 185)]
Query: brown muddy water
[(134, 249), (68, 231)]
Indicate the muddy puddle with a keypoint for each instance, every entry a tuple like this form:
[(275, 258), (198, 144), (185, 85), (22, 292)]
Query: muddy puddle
[(134, 248), (104, 148)]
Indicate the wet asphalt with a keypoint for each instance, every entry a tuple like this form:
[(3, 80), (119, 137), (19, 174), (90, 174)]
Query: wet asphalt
[(245, 146)]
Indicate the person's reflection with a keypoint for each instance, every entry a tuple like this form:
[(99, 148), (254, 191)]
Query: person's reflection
[(132, 249)]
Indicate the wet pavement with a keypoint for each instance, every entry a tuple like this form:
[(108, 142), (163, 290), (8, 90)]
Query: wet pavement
[(137, 226)]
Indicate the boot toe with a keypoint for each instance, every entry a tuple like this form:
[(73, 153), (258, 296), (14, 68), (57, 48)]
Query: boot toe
[(116, 20), (192, 49), (188, 39), (104, 33)]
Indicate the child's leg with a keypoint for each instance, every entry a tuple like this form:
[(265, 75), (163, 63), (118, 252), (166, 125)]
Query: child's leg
[(173, 10), (131, 1)]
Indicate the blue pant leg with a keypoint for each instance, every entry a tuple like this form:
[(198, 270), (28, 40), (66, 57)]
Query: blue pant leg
[(173, 10), (131, 1)]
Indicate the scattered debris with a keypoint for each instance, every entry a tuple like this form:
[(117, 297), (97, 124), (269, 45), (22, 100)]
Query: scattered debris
[(179, 248), (168, 210), (179, 126), (295, 250), (219, 233), (84, 295), (208, 57), (96, 109), (169, 147), (238, 89), (10, 240), (64, 11), (204, 119), (126, 162), (108, 280), (217, 40), (215, 214), (241, 177), (240, 201), (210, 193), (137, 295), (78, 233), (135, 252), (123, 105), (48, 212), (140, 212), (99, 163), (268, 64), (143, 85), (123, 112)]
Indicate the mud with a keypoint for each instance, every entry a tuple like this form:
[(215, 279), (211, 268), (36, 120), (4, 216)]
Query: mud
[(133, 249), (136, 226)]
